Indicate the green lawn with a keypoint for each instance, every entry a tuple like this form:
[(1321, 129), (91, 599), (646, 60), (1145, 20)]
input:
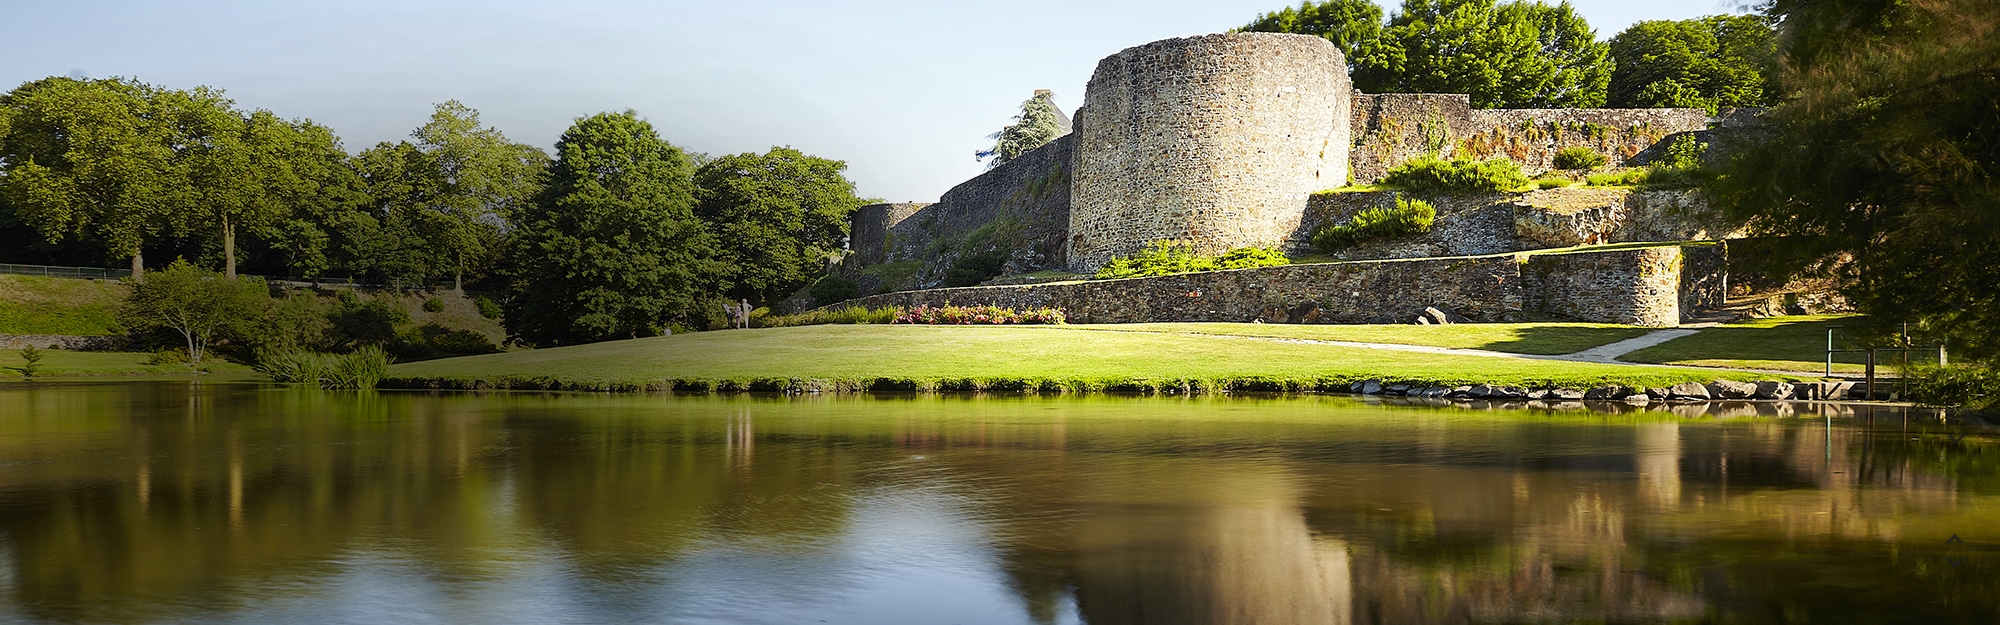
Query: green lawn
[(38, 305), (59, 364), (1514, 338), (1777, 343), (999, 357)]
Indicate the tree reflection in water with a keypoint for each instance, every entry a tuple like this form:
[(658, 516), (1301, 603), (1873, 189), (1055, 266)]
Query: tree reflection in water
[(149, 502)]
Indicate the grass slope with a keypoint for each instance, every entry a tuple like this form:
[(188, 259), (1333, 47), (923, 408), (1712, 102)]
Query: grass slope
[(66, 364), (964, 357), (1513, 338), (39, 305), (1775, 343)]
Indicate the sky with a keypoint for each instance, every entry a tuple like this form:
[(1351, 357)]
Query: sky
[(904, 91)]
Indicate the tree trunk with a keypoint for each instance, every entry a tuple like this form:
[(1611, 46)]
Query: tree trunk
[(194, 356), (228, 249), (138, 266)]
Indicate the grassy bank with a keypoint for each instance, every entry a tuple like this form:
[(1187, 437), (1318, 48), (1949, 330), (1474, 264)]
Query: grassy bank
[(857, 357), (1513, 338), (1775, 343), (72, 306), (58, 363)]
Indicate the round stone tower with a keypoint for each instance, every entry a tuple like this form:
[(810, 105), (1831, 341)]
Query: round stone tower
[(1213, 140)]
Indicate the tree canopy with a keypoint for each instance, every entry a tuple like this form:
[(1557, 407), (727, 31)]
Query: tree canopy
[(1706, 63), (1880, 162), (1036, 125), (779, 216), (1347, 23), (611, 247), (438, 203), (200, 306)]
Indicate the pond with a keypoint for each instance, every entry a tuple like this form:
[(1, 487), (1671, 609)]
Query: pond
[(137, 502)]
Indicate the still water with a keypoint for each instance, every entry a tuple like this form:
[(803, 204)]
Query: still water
[(171, 503)]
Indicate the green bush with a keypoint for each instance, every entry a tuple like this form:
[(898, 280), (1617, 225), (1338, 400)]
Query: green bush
[(1165, 258), (1408, 217), (974, 268), (1552, 181), (833, 289), (487, 307), (433, 304), (1969, 387), (1627, 178), (371, 322), (1684, 153), (1578, 157), (457, 342), (1430, 174), (1249, 257), (842, 315)]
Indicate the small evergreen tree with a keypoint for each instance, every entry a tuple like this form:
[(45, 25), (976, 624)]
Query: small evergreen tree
[(1036, 126)]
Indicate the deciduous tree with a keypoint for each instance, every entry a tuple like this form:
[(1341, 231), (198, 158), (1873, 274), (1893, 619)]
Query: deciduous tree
[(1513, 55), (779, 216), (611, 248), (1706, 63), (201, 306), (1349, 24)]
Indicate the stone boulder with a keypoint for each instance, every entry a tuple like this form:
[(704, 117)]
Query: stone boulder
[(1725, 389), (1772, 390), (1604, 393), (1688, 390), (1567, 394), (1371, 387)]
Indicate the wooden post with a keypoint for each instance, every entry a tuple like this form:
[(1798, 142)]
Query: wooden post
[(1869, 388)]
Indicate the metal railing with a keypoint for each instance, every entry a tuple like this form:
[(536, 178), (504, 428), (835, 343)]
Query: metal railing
[(65, 272), (1904, 345)]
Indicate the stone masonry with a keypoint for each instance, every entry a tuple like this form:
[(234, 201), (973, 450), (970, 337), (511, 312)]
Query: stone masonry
[(1213, 140)]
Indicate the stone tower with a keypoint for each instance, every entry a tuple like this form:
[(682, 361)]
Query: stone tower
[(1215, 140)]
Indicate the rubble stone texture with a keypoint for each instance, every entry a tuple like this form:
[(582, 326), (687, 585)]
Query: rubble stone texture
[(1214, 140)]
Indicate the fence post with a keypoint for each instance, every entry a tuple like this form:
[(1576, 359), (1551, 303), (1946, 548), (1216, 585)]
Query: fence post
[(1870, 388)]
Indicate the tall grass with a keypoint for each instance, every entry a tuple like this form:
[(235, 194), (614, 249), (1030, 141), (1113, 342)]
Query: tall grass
[(363, 368), (844, 314)]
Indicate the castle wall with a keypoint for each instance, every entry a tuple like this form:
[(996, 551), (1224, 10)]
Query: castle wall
[(870, 237), (1640, 287), (1392, 128), (1213, 140)]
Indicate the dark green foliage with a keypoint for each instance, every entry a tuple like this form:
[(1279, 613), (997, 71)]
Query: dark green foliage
[(833, 289), (454, 341), (31, 362), (611, 248), (433, 304), (1578, 157), (200, 307), (1970, 387), (777, 216), (1513, 55), (354, 323), (1705, 63), (1161, 258), (1429, 174), (1347, 23), (976, 267), (1684, 153), (1881, 160), (1408, 217), (487, 307), (1036, 125)]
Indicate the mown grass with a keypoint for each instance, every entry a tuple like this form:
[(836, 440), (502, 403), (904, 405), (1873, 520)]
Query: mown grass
[(1513, 338), (850, 357), (1775, 343), (58, 363), (40, 305)]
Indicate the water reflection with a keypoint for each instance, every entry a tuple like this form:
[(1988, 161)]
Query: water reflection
[(137, 503)]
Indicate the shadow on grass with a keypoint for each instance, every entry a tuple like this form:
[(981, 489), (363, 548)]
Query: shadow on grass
[(1559, 340), (1796, 340)]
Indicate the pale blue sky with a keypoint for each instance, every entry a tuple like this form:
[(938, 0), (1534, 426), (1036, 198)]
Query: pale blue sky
[(904, 91)]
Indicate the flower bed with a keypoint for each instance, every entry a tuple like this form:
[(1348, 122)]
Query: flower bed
[(979, 315)]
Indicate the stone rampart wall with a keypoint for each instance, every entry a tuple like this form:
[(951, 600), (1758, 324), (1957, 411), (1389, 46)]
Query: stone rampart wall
[(1493, 223), (1213, 140), (871, 237), (1390, 129), (1641, 287)]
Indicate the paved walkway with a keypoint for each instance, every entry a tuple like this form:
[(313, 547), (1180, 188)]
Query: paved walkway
[(1609, 354)]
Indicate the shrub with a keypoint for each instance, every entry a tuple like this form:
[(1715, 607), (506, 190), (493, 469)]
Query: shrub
[(1578, 157), (459, 342), (174, 356), (844, 314), (1408, 217), (1248, 257), (1684, 153), (1552, 181), (31, 362), (1432, 174), (832, 289), (980, 315), (487, 307), (1969, 387), (433, 304), (372, 322), (1159, 258), (974, 268), (364, 368), (1627, 178)]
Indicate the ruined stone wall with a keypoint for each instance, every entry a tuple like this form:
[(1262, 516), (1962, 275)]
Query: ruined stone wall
[(1634, 287), (1638, 286), (1467, 225), (1020, 208), (1492, 223), (1214, 140), (1390, 129)]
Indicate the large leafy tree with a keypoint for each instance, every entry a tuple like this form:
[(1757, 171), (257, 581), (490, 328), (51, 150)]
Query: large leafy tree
[(1880, 162), (779, 216), (451, 191), (95, 159), (1514, 55), (1349, 24), (1036, 125), (1706, 63), (611, 248)]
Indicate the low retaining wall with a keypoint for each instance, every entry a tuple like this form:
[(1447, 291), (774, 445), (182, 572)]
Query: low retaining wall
[(1638, 287), (67, 342)]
